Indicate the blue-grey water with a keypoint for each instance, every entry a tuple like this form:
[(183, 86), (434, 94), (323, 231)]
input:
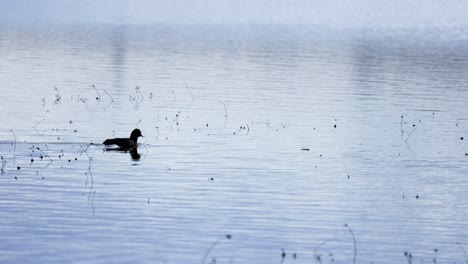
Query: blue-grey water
[(293, 138)]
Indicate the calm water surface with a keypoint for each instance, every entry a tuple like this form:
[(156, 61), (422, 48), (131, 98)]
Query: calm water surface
[(276, 136)]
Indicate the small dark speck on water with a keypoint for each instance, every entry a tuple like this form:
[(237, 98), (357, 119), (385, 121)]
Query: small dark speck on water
[(16, 178), (32, 160), (417, 196), (18, 168), (334, 126), (461, 138), (211, 179), (305, 149)]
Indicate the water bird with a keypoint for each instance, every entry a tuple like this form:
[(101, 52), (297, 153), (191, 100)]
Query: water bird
[(126, 143)]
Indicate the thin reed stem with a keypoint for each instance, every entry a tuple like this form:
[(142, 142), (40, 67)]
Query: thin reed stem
[(190, 91), (14, 147), (112, 99), (207, 253), (97, 91), (354, 242), (464, 252)]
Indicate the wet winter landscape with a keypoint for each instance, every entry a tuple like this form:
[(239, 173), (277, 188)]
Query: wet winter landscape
[(263, 144)]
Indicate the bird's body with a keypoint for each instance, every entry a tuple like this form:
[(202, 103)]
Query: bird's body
[(121, 142), (125, 143)]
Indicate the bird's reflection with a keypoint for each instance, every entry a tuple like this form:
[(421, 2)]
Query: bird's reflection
[(135, 156)]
